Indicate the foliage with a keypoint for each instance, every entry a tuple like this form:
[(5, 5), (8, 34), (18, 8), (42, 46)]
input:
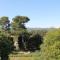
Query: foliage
[(50, 49), (6, 46), (17, 26), (40, 32), (19, 21), (5, 23), (34, 42), (23, 41), (30, 41)]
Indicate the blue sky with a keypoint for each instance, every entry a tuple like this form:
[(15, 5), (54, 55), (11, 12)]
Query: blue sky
[(42, 13)]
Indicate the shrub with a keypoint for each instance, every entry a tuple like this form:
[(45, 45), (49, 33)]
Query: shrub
[(6, 47), (34, 42), (50, 49)]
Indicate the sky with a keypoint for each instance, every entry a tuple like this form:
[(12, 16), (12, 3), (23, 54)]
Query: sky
[(42, 13)]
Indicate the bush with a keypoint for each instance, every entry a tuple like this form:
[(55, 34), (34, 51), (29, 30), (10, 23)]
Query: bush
[(34, 42), (6, 47), (50, 49)]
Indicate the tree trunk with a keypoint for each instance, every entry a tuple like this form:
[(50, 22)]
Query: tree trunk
[(4, 57), (24, 43)]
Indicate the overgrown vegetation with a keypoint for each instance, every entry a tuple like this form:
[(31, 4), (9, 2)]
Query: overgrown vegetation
[(50, 49), (45, 43)]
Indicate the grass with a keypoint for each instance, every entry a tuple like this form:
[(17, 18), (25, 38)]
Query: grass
[(31, 56)]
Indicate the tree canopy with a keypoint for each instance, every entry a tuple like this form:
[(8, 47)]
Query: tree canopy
[(50, 49), (18, 21), (5, 23)]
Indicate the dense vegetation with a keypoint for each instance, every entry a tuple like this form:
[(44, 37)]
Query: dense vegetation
[(16, 31), (50, 49), (45, 41), (6, 47)]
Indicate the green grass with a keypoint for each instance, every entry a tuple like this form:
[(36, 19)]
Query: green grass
[(31, 56)]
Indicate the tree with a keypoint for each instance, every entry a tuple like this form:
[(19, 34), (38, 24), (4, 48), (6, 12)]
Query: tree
[(23, 41), (50, 49), (19, 22), (41, 32), (18, 26), (5, 23), (34, 42), (6, 47)]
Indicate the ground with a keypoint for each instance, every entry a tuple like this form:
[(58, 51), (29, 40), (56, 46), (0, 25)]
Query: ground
[(30, 56)]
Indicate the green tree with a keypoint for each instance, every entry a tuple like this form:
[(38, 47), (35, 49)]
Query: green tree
[(35, 41), (50, 49), (19, 22), (5, 23), (18, 26), (41, 32), (6, 46), (23, 41)]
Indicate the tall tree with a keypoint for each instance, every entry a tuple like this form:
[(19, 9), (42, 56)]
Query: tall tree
[(5, 23), (19, 21), (18, 26)]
